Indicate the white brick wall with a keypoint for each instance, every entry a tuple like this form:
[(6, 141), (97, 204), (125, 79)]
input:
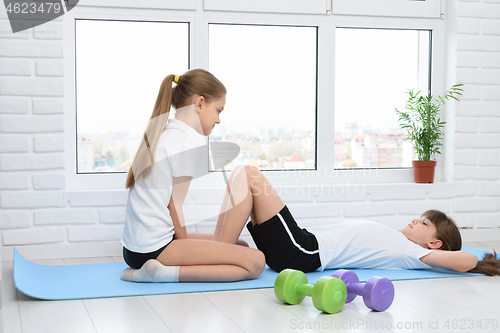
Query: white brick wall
[(31, 162), (30, 48), (466, 125), (52, 181), (46, 144), (66, 216), (33, 236), (488, 189), (31, 199), (17, 105), (366, 209), (487, 221), (112, 215), (96, 198), (14, 144), (48, 105), (90, 234), (14, 181), (488, 157), (477, 154), (489, 60), (478, 109), (14, 219), (22, 124), (476, 139), (466, 157), (39, 213), (489, 124), (15, 67), (467, 59), (418, 207), (467, 173)]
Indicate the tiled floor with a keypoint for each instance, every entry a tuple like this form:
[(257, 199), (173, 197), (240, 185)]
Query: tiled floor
[(469, 304)]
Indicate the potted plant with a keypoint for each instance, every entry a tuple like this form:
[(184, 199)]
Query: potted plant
[(424, 129)]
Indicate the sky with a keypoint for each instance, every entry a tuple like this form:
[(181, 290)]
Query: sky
[(270, 74), (374, 70), (119, 71)]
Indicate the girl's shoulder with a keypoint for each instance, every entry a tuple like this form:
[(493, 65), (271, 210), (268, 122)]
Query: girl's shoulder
[(179, 131), (171, 139), (173, 133), (175, 127), (177, 138)]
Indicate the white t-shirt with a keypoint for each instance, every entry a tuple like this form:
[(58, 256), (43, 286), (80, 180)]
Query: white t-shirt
[(366, 244), (181, 151)]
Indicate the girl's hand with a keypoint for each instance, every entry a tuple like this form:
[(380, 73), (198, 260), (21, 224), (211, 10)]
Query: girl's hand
[(180, 188)]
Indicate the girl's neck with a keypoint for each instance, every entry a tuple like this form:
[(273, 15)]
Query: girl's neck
[(190, 117)]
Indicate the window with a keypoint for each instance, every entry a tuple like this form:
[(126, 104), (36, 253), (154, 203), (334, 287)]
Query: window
[(270, 73), (119, 68), (374, 69), (289, 75)]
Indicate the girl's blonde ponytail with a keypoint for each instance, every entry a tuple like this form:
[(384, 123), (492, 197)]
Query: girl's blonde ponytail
[(145, 155)]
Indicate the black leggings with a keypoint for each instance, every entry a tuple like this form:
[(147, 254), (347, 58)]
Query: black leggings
[(136, 260), (285, 244)]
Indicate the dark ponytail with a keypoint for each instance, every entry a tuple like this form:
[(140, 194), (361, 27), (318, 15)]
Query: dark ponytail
[(490, 265)]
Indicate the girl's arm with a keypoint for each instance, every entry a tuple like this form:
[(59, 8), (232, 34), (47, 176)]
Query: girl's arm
[(180, 188), (461, 261)]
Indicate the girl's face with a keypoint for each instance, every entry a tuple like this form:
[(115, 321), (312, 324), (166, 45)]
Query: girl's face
[(209, 114), (421, 231)]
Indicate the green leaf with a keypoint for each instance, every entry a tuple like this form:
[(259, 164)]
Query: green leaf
[(422, 120)]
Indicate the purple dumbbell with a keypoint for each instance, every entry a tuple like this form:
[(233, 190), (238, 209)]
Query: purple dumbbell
[(377, 292)]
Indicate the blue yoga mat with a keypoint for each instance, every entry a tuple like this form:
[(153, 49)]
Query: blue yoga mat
[(103, 280)]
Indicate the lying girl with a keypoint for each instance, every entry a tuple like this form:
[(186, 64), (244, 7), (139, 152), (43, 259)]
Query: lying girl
[(433, 240)]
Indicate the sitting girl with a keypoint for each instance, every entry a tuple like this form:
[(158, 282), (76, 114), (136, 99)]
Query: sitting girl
[(155, 242), (433, 240)]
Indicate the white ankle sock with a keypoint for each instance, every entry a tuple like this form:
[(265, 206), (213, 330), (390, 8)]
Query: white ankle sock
[(151, 271)]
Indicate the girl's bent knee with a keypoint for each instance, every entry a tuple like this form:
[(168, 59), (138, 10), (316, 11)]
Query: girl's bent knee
[(258, 264), (250, 169), (250, 172), (236, 169)]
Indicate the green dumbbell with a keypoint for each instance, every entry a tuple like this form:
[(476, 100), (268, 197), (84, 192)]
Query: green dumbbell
[(328, 293)]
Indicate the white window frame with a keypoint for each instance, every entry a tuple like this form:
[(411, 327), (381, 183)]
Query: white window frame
[(275, 6), (394, 8), (199, 21)]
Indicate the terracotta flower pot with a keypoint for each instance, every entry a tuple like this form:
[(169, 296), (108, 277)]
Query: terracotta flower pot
[(423, 171)]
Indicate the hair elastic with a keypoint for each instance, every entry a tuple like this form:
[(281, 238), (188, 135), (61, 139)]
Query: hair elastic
[(176, 78)]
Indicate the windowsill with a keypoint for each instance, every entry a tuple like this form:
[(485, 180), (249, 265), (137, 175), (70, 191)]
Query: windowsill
[(379, 178)]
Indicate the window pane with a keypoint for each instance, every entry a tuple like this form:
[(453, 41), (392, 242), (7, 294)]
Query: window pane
[(374, 69), (119, 68), (270, 76)]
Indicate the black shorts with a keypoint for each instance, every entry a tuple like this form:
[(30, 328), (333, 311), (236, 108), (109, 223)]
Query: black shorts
[(136, 259), (285, 244)]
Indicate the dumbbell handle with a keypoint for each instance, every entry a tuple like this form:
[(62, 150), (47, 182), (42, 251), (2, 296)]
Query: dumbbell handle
[(305, 289), (355, 288)]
